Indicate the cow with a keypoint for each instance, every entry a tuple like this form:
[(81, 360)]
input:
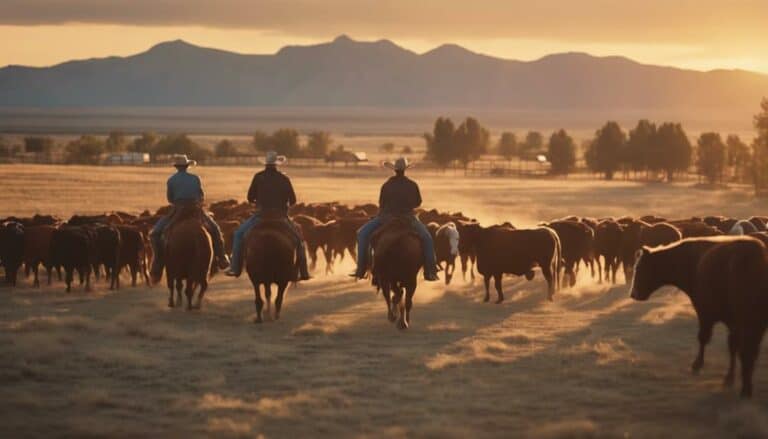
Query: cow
[(447, 240), (577, 243), (725, 279), (659, 234), (608, 244), (74, 248), (11, 249), (503, 250), (133, 252), (37, 250), (742, 227)]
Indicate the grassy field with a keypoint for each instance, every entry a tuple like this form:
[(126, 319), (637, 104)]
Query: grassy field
[(591, 364)]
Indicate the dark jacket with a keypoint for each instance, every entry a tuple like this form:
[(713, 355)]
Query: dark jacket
[(399, 196), (271, 190)]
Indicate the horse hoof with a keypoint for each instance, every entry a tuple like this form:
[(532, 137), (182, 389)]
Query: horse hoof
[(402, 325)]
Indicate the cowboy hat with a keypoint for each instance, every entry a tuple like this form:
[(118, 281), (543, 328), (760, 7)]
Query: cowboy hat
[(400, 164), (182, 160), (273, 159)]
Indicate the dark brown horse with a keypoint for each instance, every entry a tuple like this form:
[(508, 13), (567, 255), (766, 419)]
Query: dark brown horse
[(189, 254), (397, 259), (270, 258)]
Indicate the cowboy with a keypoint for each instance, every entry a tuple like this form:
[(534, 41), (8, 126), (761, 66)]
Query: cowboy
[(399, 197), (184, 188), (272, 192)]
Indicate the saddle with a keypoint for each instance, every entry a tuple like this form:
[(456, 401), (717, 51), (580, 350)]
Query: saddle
[(276, 221), (183, 212), (398, 225)]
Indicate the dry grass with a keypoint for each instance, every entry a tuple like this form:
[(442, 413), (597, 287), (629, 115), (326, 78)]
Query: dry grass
[(591, 364)]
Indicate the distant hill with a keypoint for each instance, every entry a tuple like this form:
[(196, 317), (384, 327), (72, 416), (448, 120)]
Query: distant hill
[(348, 73)]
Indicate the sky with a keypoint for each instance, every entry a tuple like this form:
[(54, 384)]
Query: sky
[(696, 34)]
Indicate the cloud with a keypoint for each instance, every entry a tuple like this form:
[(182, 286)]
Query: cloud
[(681, 21)]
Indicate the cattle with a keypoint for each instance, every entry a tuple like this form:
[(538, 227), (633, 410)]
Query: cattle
[(725, 279), (577, 243), (447, 240), (630, 243), (659, 234), (742, 227), (133, 252), (317, 236), (503, 250), (37, 250), (696, 229), (608, 244), (107, 242), (759, 222), (467, 246), (74, 248), (11, 249), (652, 219)]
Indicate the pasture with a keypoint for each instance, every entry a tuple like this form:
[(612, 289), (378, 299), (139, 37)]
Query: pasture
[(593, 363)]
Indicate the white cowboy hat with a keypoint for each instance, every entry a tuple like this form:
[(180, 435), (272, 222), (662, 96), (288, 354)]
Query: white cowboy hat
[(273, 159), (400, 164), (182, 160)]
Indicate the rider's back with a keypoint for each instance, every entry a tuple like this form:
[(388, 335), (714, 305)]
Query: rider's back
[(399, 196)]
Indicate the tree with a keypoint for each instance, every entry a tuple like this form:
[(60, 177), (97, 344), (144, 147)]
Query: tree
[(388, 147), (605, 152), (144, 143), (711, 156), (760, 148), (471, 140), (115, 142), (86, 149), (562, 153), (674, 149), (260, 141), (225, 148), (739, 156), (38, 144), (318, 144), (507, 146), (285, 141), (534, 142), (181, 144), (639, 144), (440, 144)]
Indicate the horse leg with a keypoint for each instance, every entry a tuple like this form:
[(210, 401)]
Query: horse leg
[(397, 296), (487, 281), (279, 298), (179, 287), (259, 303), (268, 298), (189, 292), (409, 292), (169, 282), (497, 283), (402, 322), (203, 289), (385, 291)]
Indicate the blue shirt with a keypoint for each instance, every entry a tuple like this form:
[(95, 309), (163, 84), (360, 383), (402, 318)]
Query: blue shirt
[(183, 186)]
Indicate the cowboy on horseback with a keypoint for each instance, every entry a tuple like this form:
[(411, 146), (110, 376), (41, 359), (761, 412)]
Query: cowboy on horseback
[(183, 189), (272, 192), (399, 197)]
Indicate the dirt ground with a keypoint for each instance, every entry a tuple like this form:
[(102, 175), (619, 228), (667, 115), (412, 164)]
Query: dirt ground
[(593, 363)]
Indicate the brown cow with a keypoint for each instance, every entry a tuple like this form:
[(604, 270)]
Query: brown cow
[(37, 250), (503, 250), (659, 234), (468, 231), (725, 278), (608, 244), (133, 252), (577, 243)]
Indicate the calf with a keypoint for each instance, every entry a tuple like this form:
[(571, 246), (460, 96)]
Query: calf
[(725, 278), (447, 240), (503, 250)]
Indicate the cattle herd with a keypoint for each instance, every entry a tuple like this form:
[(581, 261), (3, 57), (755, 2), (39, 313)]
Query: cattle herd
[(720, 263)]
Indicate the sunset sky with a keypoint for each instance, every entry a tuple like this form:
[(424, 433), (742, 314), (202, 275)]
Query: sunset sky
[(698, 34)]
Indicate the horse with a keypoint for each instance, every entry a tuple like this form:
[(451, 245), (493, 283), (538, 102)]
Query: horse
[(270, 258), (397, 259), (188, 255)]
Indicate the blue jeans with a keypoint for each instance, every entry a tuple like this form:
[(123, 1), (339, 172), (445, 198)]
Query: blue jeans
[(364, 243), (156, 239), (239, 237)]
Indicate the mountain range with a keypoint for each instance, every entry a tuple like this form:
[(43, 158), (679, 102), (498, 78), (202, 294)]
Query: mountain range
[(349, 73)]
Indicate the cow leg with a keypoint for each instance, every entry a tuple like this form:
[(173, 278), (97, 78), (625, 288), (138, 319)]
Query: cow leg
[(497, 283), (328, 253), (69, 277), (35, 268), (450, 267), (733, 349), (87, 278), (179, 288), (259, 303), (203, 289), (134, 273), (599, 270), (463, 258), (279, 298), (749, 348), (487, 282), (548, 272), (705, 334), (49, 272), (472, 260)]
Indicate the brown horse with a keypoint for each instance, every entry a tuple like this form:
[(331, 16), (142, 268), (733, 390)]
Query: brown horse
[(188, 255), (397, 259), (270, 258)]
